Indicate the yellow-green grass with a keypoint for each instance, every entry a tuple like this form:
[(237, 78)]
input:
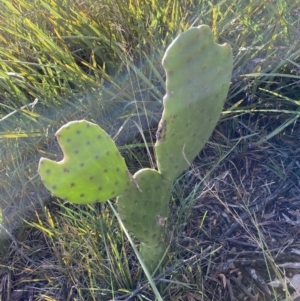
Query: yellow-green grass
[(101, 60)]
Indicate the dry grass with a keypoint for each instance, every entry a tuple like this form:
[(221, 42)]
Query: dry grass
[(233, 214)]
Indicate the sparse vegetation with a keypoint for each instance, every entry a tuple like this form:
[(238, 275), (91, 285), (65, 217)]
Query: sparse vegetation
[(234, 211)]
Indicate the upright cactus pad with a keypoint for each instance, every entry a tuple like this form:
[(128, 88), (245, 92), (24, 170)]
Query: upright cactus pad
[(198, 76), (143, 209), (92, 169)]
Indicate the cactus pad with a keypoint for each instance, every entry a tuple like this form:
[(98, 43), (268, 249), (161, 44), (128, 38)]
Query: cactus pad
[(92, 169), (143, 213), (198, 76), (144, 210)]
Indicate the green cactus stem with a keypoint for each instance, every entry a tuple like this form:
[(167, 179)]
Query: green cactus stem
[(143, 213), (92, 169), (198, 76)]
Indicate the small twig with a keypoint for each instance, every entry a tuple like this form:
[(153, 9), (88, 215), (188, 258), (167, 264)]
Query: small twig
[(258, 279), (242, 243), (230, 290), (243, 288)]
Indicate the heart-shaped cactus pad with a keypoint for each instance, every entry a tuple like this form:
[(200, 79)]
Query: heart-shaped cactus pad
[(92, 169)]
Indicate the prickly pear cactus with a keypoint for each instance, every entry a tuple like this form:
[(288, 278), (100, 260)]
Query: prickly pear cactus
[(198, 76), (143, 209), (92, 169)]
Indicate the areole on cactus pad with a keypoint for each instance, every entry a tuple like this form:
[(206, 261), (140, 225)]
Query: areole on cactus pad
[(198, 73)]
